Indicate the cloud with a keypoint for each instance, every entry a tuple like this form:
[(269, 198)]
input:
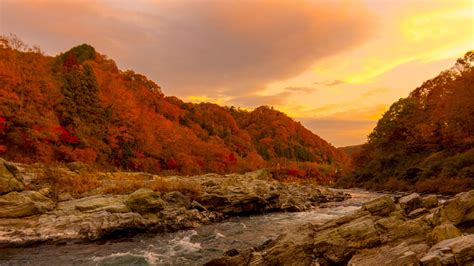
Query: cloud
[(329, 82), (252, 100), (208, 47), (300, 89)]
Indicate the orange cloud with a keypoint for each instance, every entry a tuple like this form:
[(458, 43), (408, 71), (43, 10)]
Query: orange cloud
[(210, 47)]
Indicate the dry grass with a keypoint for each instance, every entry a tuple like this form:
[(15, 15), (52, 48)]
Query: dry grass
[(62, 181), (129, 183)]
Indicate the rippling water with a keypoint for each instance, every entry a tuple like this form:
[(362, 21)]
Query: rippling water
[(192, 247)]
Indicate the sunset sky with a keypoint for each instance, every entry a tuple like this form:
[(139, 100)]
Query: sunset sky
[(336, 66)]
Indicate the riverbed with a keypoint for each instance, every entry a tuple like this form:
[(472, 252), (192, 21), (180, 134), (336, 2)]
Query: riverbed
[(191, 247)]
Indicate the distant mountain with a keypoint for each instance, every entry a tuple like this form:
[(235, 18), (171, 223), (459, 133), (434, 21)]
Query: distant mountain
[(350, 150), (78, 106), (425, 141)]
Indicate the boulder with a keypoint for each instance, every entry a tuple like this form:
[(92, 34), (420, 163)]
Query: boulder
[(457, 210), (454, 251), (381, 206), (402, 254), (429, 202), (23, 204), (8, 181), (417, 213), (99, 203), (443, 232), (144, 201), (214, 202), (338, 244), (177, 198), (410, 202)]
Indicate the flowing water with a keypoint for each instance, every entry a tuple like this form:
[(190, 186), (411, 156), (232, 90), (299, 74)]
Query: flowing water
[(192, 247)]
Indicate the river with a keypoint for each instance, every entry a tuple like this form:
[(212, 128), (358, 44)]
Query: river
[(191, 247)]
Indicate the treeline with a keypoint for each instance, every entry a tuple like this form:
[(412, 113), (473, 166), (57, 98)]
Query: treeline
[(78, 106), (425, 141)]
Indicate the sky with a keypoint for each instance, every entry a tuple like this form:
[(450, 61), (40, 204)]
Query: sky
[(335, 66)]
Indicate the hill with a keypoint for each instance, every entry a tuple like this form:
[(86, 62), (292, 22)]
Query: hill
[(350, 150), (78, 106), (425, 141)]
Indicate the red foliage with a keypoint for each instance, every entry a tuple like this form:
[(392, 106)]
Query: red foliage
[(66, 136), (70, 61), (172, 164), (3, 122), (293, 172), (3, 149), (231, 159)]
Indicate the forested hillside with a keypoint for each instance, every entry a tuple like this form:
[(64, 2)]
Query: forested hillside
[(424, 141), (78, 106)]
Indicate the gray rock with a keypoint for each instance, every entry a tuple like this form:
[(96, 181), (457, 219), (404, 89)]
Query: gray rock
[(459, 209), (23, 204), (381, 206), (145, 201), (177, 198), (430, 201), (443, 232), (454, 251), (8, 181), (410, 202), (417, 213)]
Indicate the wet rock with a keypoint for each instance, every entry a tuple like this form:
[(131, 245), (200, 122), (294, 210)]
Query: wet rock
[(215, 202), (410, 202), (23, 204), (145, 201), (381, 206), (443, 232), (454, 251), (8, 181), (429, 202)]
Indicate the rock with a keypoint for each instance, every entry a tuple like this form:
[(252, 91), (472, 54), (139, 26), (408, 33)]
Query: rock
[(417, 213), (402, 254), (177, 198), (248, 203), (8, 181), (381, 206), (196, 205), (23, 204), (232, 252), (430, 201), (457, 210), (410, 202), (97, 203), (454, 251), (443, 232), (214, 202), (338, 244), (144, 201), (396, 227), (45, 191)]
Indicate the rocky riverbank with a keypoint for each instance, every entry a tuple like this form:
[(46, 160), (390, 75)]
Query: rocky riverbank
[(410, 230), (34, 209)]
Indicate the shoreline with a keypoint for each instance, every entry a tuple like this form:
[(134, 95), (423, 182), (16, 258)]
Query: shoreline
[(34, 213)]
